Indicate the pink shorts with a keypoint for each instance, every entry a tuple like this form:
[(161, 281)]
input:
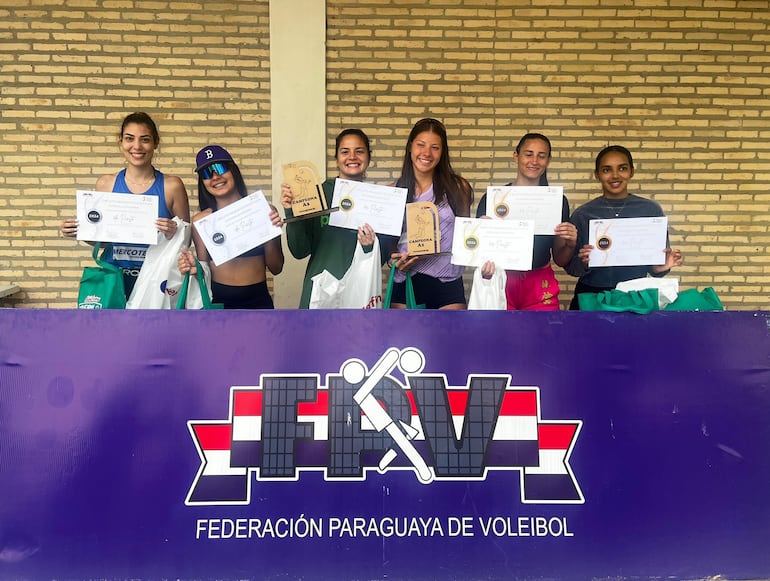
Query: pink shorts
[(532, 290)]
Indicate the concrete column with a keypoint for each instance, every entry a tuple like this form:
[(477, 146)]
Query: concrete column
[(298, 109)]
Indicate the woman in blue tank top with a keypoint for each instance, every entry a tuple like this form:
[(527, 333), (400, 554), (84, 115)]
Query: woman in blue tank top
[(138, 140)]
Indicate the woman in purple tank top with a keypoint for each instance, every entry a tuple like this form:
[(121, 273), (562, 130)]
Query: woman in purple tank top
[(428, 176)]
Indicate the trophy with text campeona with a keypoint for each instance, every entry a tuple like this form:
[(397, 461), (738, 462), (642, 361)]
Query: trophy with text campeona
[(309, 199), (422, 228)]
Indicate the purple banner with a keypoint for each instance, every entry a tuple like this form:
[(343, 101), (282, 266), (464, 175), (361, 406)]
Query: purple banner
[(383, 445)]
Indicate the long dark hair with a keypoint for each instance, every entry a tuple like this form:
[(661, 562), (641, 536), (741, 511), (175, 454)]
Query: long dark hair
[(541, 137), (206, 200), (141, 118), (446, 182)]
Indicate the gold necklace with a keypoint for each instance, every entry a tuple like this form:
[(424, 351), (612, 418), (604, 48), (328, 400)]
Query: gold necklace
[(144, 183)]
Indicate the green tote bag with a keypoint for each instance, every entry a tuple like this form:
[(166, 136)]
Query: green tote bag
[(641, 302), (411, 303), (205, 298), (101, 286), (697, 300)]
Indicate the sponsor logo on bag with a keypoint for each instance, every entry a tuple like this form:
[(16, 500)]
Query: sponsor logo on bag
[(365, 422), (91, 302), (374, 303), (170, 291), (128, 253)]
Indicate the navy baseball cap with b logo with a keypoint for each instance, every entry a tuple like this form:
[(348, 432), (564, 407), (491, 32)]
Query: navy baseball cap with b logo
[(211, 154)]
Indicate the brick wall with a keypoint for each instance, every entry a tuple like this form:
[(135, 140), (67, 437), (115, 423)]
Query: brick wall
[(70, 71), (686, 89)]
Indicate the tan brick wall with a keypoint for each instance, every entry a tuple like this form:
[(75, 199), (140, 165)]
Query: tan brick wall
[(70, 71), (685, 89)]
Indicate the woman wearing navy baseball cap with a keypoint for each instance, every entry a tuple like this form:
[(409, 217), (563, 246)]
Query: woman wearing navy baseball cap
[(240, 283)]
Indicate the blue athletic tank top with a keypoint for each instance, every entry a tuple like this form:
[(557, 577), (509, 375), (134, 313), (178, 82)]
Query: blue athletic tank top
[(132, 255)]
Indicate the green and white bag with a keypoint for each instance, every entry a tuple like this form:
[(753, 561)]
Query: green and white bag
[(191, 300), (101, 286)]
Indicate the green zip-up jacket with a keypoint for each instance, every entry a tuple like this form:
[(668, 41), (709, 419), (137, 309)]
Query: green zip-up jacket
[(329, 248)]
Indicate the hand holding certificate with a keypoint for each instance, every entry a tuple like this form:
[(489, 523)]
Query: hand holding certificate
[(627, 241), (237, 228), (508, 243), (382, 207), (542, 204), (112, 217)]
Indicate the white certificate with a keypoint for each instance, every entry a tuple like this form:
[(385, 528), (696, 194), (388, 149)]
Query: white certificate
[(382, 207), (237, 228), (543, 204), (111, 217), (627, 241), (506, 242)]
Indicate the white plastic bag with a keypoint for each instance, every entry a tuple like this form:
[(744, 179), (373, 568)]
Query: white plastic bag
[(359, 288), (174, 285), (488, 294), (668, 288), (161, 259)]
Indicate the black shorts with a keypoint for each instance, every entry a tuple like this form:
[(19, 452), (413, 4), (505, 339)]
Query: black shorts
[(252, 296), (431, 292)]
